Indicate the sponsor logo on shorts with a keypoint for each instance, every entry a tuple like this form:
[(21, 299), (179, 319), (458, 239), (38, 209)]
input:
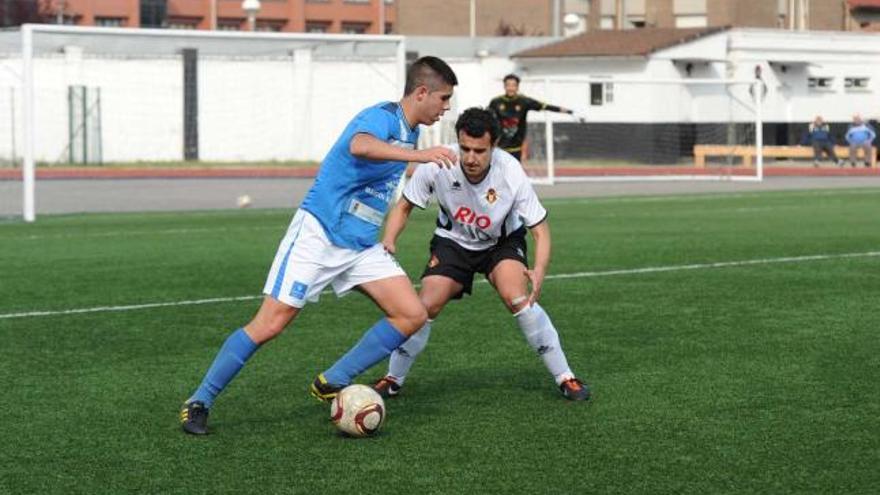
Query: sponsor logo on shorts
[(434, 261), (298, 291)]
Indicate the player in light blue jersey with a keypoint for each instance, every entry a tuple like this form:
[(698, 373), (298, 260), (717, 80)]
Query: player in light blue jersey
[(333, 240)]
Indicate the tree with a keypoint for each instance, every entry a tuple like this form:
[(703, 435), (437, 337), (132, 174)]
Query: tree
[(18, 12)]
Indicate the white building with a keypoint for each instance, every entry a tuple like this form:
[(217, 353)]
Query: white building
[(834, 74), (261, 97), (637, 86)]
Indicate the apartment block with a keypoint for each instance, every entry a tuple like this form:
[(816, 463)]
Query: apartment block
[(487, 18), (505, 17), (316, 16), (465, 17)]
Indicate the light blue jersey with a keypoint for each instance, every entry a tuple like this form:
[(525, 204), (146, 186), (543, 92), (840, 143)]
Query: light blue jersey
[(351, 195)]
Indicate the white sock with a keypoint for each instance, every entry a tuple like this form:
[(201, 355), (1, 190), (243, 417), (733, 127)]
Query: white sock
[(404, 356), (542, 336)]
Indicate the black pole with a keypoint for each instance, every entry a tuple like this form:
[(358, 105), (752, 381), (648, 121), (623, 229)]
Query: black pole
[(190, 104)]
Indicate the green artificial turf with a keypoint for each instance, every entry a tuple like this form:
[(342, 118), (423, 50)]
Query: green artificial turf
[(739, 378)]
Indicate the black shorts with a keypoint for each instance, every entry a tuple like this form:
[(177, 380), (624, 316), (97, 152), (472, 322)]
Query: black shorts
[(516, 154), (451, 260)]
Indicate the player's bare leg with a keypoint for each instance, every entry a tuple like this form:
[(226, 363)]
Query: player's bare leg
[(398, 299), (404, 315), (509, 279), (436, 291), (270, 320)]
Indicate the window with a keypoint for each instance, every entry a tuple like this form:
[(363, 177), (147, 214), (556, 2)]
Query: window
[(690, 13), (153, 13), (317, 26), (690, 21), (270, 26), (689, 6), (609, 93), (228, 25), (856, 83), (820, 83), (389, 29), (182, 23), (596, 97), (110, 21), (355, 27)]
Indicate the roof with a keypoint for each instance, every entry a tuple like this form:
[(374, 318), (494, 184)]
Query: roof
[(619, 43), (467, 47), (863, 4)]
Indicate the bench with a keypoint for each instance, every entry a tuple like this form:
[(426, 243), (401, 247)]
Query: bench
[(747, 153)]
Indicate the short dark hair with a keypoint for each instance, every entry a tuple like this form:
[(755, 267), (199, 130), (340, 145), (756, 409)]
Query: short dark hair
[(511, 76), (476, 122), (428, 71)]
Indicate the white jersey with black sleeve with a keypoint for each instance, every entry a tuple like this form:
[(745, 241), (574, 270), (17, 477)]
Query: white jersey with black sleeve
[(477, 216)]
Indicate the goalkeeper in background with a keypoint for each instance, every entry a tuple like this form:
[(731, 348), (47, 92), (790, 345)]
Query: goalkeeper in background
[(511, 109)]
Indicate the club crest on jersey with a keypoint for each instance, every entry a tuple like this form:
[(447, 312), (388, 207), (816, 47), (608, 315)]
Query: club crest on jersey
[(491, 196), (518, 108), (502, 107)]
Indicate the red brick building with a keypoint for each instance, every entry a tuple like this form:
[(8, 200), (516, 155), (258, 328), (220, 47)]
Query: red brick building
[(455, 17), (536, 17), (326, 16)]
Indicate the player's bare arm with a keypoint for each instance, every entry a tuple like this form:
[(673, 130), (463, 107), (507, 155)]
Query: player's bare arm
[(541, 235), (397, 219), (364, 145)]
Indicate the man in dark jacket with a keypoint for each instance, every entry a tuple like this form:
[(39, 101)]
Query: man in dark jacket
[(819, 136)]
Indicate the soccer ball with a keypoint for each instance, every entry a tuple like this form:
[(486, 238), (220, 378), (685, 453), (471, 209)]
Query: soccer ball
[(243, 201), (358, 410)]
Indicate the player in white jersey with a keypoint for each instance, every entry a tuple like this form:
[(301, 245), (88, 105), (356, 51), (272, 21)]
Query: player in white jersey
[(486, 206)]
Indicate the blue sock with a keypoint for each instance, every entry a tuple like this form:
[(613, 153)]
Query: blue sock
[(376, 344), (229, 361)]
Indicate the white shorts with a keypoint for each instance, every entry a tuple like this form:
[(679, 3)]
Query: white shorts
[(307, 261)]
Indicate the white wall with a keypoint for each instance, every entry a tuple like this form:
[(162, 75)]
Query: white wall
[(249, 110), (734, 55), (292, 107)]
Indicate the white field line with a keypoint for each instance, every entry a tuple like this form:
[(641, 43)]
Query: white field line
[(605, 273), (716, 195), (126, 233)]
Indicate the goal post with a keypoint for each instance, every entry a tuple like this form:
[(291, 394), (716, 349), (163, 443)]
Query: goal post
[(93, 96), (646, 130)]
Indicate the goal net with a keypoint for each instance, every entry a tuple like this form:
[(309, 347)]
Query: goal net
[(114, 99), (697, 129)]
